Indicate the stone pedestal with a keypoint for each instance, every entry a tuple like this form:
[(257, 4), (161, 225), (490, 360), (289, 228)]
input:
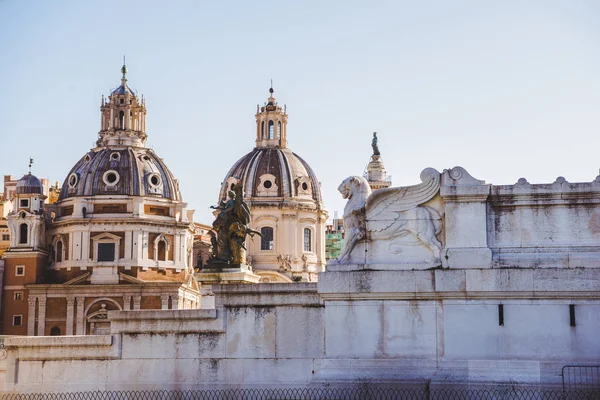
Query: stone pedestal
[(226, 273)]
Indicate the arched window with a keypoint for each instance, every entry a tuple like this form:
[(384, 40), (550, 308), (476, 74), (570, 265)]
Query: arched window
[(122, 119), (262, 130), (266, 242), (161, 248), (23, 234), (59, 249), (279, 130), (271, 130), (307, 239), (55, 331)]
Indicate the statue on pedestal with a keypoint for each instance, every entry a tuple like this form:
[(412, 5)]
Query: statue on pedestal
[(374, 145), (230, 229)]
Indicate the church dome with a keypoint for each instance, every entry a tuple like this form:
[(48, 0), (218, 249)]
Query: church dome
[(131, 171), (29, 184), (273, 172)]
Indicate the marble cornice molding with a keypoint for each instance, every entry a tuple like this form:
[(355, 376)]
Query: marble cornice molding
[(469, 295)]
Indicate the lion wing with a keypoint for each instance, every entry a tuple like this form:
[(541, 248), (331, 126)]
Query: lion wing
[(383, 205)]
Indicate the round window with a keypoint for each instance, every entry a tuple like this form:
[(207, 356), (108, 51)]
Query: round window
[(146, 158), (268, 184), (154, 180), (304, 186), (111, 177), (72, 180), (115, 156)]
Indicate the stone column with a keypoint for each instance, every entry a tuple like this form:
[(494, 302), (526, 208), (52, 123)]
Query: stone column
[(70, 311), (137, 301), (41, 331), (79, 319), (164, 298), (31, 315)]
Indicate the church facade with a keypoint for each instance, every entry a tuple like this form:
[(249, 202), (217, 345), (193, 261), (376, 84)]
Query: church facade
[(119, 236)]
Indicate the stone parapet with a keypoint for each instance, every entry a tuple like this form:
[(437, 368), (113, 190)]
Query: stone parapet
[(276, 294), (161, 321)]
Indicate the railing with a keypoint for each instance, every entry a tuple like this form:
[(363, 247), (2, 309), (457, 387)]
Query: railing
[(322, 394), (581, 377)]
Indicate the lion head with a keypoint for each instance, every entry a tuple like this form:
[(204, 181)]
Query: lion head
[(355, 186)]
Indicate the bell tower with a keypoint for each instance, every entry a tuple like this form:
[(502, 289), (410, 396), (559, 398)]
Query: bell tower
[(26, 258), (123, 117), (271, 123)]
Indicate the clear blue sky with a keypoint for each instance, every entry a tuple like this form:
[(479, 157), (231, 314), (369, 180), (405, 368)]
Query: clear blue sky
[(506, 89)]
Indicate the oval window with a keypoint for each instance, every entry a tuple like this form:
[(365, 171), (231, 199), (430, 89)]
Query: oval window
[(72, 180), (154, 180), (304, 186), (268, 184), (115, 156), (111, 177)]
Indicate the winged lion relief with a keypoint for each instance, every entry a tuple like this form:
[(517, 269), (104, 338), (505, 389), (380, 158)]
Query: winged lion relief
[(391, 226)]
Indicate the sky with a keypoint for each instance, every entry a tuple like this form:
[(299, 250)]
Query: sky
[(505, 89)]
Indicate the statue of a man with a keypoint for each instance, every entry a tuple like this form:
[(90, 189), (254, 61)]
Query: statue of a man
[(374, 145), (222, 251), (231, 227)]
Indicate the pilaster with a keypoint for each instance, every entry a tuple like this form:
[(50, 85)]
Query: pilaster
[(164, 298), (80, 321), (70, 315), (31, 301), (41, 331), (127, 302)]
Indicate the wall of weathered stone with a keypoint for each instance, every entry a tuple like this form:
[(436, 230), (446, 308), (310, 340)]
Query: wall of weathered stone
[(511, 297), (363, 326), (258, 335)]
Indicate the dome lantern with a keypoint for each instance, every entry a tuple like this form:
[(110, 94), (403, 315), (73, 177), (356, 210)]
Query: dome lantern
[(271, 124), (123, 117)]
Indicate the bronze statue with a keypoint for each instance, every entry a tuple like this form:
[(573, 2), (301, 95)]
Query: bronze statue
[(374, 145), (230, 229)]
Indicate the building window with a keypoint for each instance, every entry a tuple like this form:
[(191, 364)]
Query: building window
[(271, 129), (307, 239), (20, 270), (18, 296), (5, 237), (59, 249), (266, 242), (23, 234), (161, 248), (24, 203), (262, 130), (17, 320), (106, 252), (122, 119), (55, 331), (279, 130)]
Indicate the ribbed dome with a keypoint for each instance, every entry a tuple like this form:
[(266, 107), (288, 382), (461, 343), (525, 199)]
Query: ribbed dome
[(29, 184), (120, 171), (288, 175)]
